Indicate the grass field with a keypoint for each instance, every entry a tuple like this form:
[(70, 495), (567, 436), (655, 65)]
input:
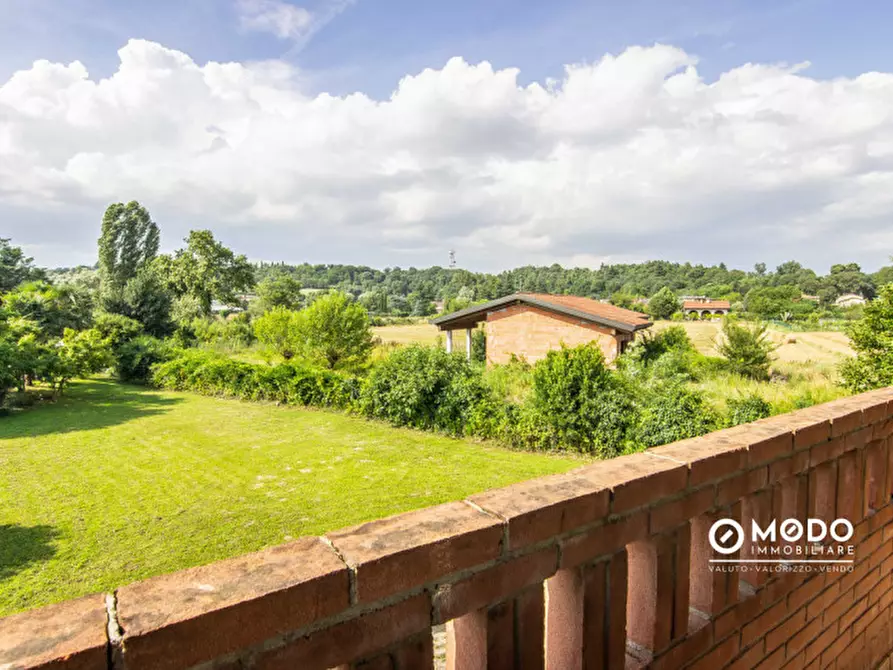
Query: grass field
[(115, 483), (423, 333)]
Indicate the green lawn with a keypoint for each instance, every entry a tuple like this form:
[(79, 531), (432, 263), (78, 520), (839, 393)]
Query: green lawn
[(115, 483)]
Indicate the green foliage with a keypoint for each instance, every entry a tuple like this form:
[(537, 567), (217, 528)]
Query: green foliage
[(51, 308), (671, 412), (135, 358), (280, 289), (582, 401), (425, 387), (117, 329), (747, 349), (205, 271), (127, 244), (478, 346), (279, 331), (746, 409), (663, 304), (232, 333), (15, 267), (79, 353), (334, 332), (209, 373), (624, 300), (872, 339)]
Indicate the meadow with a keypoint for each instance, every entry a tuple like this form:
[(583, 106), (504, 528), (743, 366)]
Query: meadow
[(114, 483)]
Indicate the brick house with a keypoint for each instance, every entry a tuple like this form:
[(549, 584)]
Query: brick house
[(529, 325), (703, 306)]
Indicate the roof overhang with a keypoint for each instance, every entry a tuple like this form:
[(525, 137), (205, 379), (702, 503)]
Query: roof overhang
[(471, 316)]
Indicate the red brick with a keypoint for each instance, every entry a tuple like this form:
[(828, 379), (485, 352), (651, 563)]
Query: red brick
[(812, 434), (735, 488), (637, 479), (494, 584), (763, 623), (798, 640), (769, 439), (858, 439), (695, 644), (405, 551), (192, 616), (777, 637), (670, 514), (882, 430), (827, 451), (846, 423), (709, 457), (750, 658), (70, 635), (541, 508), (836, 647), (604, 540), (356, 638), (618, 579), (721, 654), (822, 642), (773, 662)]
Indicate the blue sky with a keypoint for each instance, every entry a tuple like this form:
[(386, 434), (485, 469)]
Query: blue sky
[(677, 151), (370, 45)]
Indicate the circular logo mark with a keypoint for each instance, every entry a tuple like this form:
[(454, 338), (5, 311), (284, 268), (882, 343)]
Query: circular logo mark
[(726, 536)]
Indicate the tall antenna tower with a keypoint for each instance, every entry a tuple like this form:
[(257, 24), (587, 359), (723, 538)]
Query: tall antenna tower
[(452, 259)]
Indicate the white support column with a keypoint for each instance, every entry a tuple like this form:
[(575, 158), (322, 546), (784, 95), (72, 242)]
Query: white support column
[(468, 343), (449, 341)]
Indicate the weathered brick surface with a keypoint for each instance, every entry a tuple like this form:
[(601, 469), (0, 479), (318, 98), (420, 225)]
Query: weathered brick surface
[(400, 552), (70, 635), (178, 620), (628, 536)]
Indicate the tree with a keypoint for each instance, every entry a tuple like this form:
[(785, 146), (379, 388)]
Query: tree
[(872, 339), (663, 304), (279, 331), (747, 350), (51, 308), (335, 332), (206, 270), (279, 290), (78, 354), (127, 244), (15, 267)]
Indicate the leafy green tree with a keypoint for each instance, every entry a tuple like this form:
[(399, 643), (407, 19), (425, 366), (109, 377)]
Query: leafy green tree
[(747, 349), (673, 412), (279, 290), (663, 304), (279, 331), (206, 270), (127, 244), (582, 401), (335, 332), (78, 354), (872, 339), (51, 308), (15, 267), (624, 300)]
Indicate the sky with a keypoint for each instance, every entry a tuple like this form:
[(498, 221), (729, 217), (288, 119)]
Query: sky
[(387, 133)]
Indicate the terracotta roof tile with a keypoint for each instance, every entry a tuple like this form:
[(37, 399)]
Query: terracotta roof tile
[(593, 307), (706, 304)]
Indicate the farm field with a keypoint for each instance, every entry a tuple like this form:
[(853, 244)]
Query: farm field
[(818, 347), (115, 483)]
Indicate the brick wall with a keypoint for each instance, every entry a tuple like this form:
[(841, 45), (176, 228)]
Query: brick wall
[(603, 567), (531, 332)]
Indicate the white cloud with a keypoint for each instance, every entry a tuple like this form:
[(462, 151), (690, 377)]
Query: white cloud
[(284, 20), (633, 156)]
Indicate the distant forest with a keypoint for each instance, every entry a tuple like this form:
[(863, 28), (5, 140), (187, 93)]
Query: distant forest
[(396, 290), (773, 294)]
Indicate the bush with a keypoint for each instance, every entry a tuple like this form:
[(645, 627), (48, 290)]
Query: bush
[(663, 304), (279, 331), (583, 402), (134, 359), (209, 373), (747, 350), (674, 412), (117, 329), (425, 387), (872, 339), (746, 409), (478, 346)]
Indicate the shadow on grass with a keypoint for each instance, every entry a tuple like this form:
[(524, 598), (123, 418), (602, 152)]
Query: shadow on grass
[(20, 546), (86, 405)]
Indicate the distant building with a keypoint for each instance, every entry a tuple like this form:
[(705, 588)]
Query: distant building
[(849, 300), (529, 325), (811, 298), (701, 306)]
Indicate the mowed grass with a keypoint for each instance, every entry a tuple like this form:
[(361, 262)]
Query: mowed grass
[(416, 333), (116, 483)]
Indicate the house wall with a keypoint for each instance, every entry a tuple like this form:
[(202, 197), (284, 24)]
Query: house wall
[(531, 332), (606, 566)]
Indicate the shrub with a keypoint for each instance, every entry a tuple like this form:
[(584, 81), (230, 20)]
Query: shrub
[(746, 409), (231, 333), (279, 331), (663, 304), (134, 359), (674, 412), (425, 387), (478, 346), (334, 332), (747, 350), (582, 401), (872, 339), (117, 329), (288, 383)]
